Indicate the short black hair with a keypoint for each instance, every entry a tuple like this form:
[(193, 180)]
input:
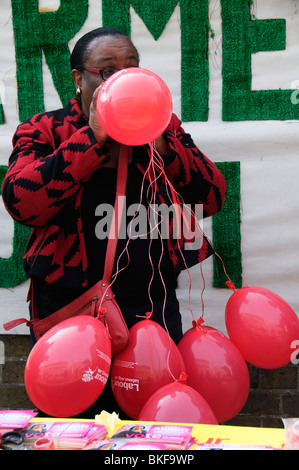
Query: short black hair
[(80, 50)]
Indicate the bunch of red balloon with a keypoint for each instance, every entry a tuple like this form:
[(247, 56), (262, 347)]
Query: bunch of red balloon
[(148, 379), (212, 379), (204, 379), (262, 330)]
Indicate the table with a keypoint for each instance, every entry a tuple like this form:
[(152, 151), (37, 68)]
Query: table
[(220, 436)]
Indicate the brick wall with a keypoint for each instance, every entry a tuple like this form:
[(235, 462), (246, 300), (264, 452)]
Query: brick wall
[(274, 393), (15, 349)]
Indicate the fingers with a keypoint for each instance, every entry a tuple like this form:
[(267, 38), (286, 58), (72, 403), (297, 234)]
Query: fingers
[(94, 122)]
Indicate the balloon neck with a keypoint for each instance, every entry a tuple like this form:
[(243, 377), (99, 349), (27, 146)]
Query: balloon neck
[(183, 378), (196, 324), (148, 315), (101, 311), (230, 285)]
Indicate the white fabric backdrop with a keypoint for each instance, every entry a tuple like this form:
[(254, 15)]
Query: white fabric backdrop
[(267, 150)]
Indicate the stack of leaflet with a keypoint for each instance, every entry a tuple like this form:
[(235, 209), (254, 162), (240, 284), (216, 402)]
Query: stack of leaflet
[(64, 434), (159, 436), (15, 419), (118, 444), (74, 435)]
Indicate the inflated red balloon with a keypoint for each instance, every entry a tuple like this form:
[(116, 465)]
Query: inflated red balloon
[(150, 360), (262, 326), (134, 106), (177, 403), (68, 367), (216, 369)]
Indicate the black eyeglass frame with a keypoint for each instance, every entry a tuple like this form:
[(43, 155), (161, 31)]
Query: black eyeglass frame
[(101, 71)]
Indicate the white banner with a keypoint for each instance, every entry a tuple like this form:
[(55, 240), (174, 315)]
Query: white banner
[(267, 151)]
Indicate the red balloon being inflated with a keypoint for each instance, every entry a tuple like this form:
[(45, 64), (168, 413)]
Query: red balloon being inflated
[(134, 106)]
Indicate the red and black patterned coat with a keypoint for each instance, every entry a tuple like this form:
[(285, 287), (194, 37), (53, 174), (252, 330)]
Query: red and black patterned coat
[(54, 155)]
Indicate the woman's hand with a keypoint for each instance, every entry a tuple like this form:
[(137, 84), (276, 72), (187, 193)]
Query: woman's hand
[(98, 130)]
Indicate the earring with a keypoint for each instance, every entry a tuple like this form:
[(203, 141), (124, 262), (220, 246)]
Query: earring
[(78, 91)]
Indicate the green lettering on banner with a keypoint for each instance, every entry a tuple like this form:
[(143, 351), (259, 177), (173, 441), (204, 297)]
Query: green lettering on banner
[(242, 37), (1, 114), (194, 62), (194, 43), (49, 32), (226, 226), (11, 269)]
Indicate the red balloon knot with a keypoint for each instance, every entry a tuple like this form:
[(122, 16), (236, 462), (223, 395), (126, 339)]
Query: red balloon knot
[(148, 314), (101, 311), (199, 322), (230, 285), (183, 378)]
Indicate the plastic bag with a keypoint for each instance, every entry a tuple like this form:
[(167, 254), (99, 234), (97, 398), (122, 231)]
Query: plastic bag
[(291, 426)]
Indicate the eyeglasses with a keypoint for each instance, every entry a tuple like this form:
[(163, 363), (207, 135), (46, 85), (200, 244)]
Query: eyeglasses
[(105, 73)]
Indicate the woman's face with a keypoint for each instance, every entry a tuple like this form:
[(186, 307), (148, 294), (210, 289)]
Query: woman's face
[(116, 52)]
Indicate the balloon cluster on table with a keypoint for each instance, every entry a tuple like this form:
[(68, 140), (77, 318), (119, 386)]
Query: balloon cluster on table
[(214, 383), (147, 379), (203, 379)]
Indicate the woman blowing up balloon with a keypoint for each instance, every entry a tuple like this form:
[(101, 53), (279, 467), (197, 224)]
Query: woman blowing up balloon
[(62, 171)]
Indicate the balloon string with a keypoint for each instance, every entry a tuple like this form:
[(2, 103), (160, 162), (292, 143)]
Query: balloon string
[(156, 226), (153, 177), (174, 196), (229, 282), (202, 292), (160, 171), (130, 237), (177, 197), (146, 316), (151, 197)]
